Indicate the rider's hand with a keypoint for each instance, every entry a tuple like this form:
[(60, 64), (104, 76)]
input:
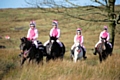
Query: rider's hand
[(28, 39)]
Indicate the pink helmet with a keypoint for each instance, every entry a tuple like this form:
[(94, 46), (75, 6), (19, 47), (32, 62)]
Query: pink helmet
[(78, 29), (32, 23), (55, 22), (105, 27)]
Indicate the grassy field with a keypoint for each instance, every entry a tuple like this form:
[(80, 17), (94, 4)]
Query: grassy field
[(15, 23)]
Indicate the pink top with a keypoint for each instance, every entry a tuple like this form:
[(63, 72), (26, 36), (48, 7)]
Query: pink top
[(32, 34), (55, 32), (104, 34), (78, 38)]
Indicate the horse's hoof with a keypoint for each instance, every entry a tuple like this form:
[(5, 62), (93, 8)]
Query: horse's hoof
[(94, 53), (85, 58), (19, 55)]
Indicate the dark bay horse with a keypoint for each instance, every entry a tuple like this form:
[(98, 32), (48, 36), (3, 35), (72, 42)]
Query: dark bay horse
[(29, 51), (103, 49), (53, 50)]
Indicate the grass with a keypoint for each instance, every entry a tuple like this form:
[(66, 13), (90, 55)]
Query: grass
[(15, 23)]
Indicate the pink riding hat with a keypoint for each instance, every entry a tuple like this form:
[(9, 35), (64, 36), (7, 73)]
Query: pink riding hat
[(55, 22), (32, 23), (105, 27), (78, 29)]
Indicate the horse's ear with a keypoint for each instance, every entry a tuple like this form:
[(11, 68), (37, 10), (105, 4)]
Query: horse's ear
[(23, 39)]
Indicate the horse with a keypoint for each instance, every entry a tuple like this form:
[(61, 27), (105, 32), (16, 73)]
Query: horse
[(103, 49), (108, 49), (54, 50), (78, 53), (29, 51)]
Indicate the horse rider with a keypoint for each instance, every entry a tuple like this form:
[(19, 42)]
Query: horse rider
[(54, 32), (103, 34), (78, 38), (33, 33)]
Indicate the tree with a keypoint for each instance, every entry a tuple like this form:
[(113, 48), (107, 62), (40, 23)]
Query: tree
[(106, 10)]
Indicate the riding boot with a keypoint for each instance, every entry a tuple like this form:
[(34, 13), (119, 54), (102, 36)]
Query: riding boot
[(95, 51), (84, 52)]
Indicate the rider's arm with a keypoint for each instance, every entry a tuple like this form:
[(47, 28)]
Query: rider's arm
[(100, 35), (28, 34), (108, 37), (75, 41), (36, 34), (58, 33), (82, 40), (51, 32)]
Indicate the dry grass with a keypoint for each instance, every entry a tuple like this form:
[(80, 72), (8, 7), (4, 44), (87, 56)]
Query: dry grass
[(15, 23)]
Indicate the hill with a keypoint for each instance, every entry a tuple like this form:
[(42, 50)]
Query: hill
[(15, 23)]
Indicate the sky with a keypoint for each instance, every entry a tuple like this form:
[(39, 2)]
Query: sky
[(23, 4)]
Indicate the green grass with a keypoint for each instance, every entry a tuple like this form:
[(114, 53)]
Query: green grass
[(15, 23)]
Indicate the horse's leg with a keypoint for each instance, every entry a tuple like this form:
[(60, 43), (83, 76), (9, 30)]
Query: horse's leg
[(29, 60), (100, 57), (110, 53), (48, 58), (23, 60), (39, 60), (104, 55), (60, 57), (75, 57)]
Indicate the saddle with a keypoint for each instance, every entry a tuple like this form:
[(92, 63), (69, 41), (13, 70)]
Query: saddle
[(40, 45)]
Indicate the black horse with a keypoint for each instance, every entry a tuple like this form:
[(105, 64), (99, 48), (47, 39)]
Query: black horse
[(103, 49), (29, 51), (53, 50)]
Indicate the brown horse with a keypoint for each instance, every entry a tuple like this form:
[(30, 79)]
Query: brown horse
[(103, 49)]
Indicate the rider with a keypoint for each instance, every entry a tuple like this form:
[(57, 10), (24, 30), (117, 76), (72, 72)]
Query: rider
[(33, 33), (78, 38), (54, 32), (103, 34)]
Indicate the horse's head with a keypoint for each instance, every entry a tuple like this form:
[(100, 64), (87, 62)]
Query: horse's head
[(23, 39), (53, 46), (25, 44), (78, 46), (104, 42), (53, 39)]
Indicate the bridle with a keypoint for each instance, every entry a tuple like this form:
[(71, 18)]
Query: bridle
[(25, 51)]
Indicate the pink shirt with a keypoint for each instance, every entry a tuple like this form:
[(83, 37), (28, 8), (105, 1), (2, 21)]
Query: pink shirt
[(104, 34), (78, 38), (55, 32), (32, 34)]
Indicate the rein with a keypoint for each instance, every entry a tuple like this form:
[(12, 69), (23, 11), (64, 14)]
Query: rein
[(78, 50), (26, 52)]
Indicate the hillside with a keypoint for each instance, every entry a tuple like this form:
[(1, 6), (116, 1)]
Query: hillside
[(15, 23)]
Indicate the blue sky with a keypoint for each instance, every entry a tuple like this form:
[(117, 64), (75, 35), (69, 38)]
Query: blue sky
[(23, 4)]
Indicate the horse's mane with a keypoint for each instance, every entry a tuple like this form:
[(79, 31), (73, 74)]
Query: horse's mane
[(28, 43), (23, 39)]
